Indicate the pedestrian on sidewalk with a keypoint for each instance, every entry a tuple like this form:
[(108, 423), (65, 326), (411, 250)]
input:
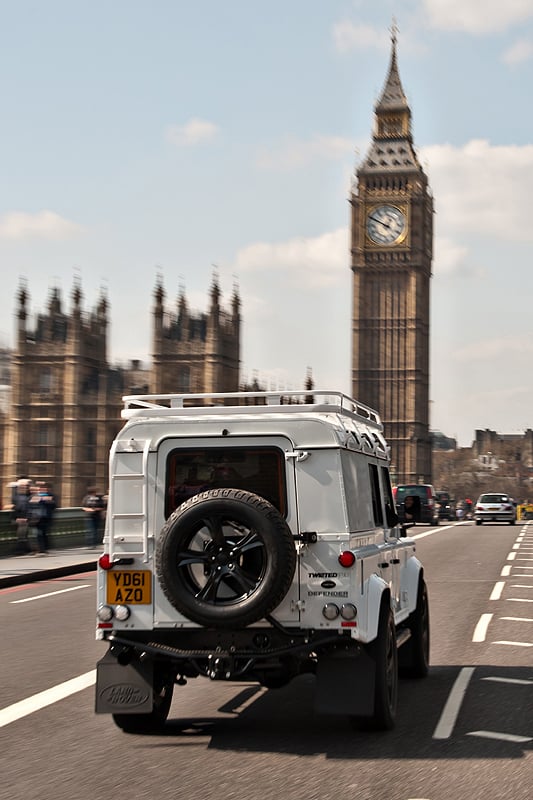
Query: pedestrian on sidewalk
[(94, 506), (41, 511), (20, 497)]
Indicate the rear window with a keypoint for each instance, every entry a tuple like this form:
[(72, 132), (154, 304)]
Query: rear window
[(258, 470), (416, 489), (493, 498)]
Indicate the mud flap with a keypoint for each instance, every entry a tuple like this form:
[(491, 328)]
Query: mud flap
[(124, 689), (345, 684)]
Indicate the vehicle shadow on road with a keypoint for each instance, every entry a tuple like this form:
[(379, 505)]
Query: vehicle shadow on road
[(494, 720)]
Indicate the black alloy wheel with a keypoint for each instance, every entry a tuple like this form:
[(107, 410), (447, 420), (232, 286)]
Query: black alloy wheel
[(225, 558)]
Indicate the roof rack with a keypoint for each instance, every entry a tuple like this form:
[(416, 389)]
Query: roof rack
[(326, 401)]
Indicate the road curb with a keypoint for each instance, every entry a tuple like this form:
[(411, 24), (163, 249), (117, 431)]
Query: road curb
[(46, 574)]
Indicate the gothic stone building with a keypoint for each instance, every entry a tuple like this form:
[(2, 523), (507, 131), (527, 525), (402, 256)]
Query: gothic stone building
[(392, 235), (66, 397)]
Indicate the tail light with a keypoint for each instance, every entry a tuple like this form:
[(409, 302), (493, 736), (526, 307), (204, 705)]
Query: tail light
[(347, 558)]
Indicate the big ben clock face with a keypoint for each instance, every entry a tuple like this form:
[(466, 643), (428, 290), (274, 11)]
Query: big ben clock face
[(386, 225)]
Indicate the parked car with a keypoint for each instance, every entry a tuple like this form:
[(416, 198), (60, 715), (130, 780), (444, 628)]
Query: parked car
[(495, 507), (425, 506), (446, 506)]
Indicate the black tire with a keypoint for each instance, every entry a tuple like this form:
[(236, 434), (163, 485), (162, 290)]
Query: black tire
[(154, 721), (479, 521), (413, 656), (511, 522), (384, 654), (225, 558)]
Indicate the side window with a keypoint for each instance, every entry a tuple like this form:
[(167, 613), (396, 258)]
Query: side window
[(390, 513), (377, 508), (257, 470)]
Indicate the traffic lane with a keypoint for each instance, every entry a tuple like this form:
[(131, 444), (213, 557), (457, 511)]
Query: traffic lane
[(236, 720), (48, 638), (462, 565), (244, 742)]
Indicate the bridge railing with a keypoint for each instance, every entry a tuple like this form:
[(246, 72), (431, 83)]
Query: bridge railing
[(68, 530)]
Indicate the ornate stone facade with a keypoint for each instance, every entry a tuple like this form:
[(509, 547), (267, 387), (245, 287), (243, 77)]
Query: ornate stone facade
[(66, 397)]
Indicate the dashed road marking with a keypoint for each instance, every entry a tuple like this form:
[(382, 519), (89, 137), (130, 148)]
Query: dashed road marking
[(515, 644), (502, 737), (497, 591), (451, 710), (480, 630), (517, 681)]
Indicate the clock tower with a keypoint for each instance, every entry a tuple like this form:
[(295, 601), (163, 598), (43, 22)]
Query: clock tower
[(392, 240)]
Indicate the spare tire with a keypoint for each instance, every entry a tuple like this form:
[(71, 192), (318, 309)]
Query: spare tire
[(225, 558)]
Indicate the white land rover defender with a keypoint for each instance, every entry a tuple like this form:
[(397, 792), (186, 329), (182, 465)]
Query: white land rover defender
[(249, 538)]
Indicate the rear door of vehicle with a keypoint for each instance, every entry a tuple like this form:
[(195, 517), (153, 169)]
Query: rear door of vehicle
[(188, 466)]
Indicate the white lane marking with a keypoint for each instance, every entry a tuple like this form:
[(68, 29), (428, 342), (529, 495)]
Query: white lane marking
[(517, 619), (50, 594), (248, 702), (511, 557), (519, 600), (497, 591), (521, 586), (432, 531), (480, 631), (46, 698), (503, 737), (516, 644), (453, 704), (506, 571), (518, 681), (524, 559), (523, 566), (516, 547)]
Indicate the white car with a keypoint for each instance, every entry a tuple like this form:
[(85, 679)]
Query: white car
[(495, 507), (249, 539)]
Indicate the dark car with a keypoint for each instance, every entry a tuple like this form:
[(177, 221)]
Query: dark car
[(446, 506), (423, 505)]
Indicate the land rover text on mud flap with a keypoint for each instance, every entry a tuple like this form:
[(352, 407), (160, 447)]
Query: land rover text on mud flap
[(252, 539)]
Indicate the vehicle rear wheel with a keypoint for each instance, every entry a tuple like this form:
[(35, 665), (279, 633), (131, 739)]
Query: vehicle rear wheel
[(413, 656), (479, 521), (384, 654), (155, 719), (225, 558), (511, 522)]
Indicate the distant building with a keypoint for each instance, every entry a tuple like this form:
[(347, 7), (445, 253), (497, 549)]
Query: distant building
[(196, 352), (441, 442), (65, 397)]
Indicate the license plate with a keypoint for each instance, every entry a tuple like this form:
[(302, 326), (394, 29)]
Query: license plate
[(129, 586)]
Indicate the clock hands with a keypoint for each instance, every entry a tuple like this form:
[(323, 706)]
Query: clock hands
[(380, 221)]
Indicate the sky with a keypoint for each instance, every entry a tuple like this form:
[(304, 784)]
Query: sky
[(146, 138)]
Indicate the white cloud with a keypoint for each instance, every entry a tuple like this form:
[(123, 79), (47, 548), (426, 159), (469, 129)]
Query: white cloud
[(450, 257), (296, 153), (476, 17), (499, 349), (43, 224), (482, 188), (520, 51), (195, 131), (311, 263), (348, 35)]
